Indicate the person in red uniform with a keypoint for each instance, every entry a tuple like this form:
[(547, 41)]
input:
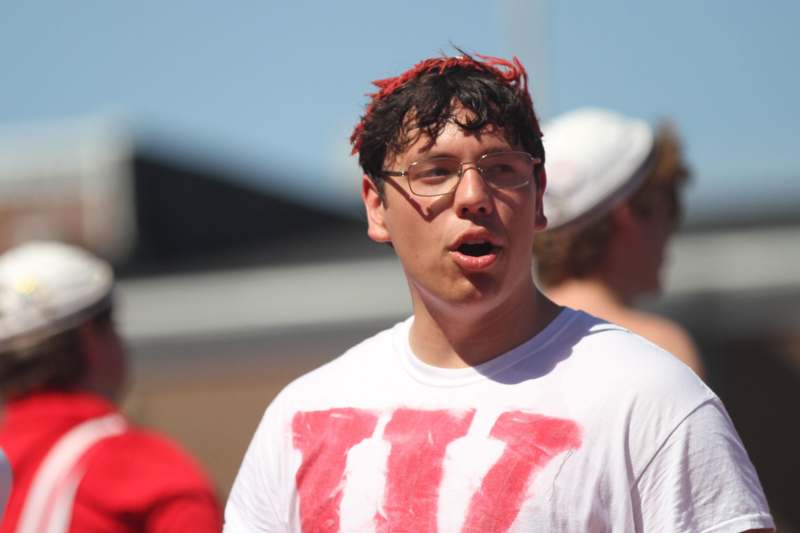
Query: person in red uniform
[(79, 466)]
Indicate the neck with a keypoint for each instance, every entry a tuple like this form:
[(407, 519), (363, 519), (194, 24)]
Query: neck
[(468, 334)]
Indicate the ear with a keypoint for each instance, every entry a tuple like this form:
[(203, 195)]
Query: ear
[(376, 211), (623, 215), (626, 224), (540, 222)]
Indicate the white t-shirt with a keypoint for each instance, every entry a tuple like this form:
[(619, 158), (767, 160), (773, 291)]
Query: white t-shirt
[(585, 427)]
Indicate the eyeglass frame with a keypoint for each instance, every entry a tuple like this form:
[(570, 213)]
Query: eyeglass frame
[(461, 170)]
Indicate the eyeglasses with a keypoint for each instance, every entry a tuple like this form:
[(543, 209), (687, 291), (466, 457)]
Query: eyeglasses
[(438, 176)]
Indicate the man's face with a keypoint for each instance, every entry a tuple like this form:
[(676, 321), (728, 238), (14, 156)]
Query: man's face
[(472, 246)]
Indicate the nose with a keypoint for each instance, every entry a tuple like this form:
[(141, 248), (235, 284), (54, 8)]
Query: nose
[(472, 195)]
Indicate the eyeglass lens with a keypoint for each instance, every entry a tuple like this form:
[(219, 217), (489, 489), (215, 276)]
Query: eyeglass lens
[(440, 175)]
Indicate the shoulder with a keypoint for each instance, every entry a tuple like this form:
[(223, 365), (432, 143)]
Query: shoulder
[(662, 331), (629, 331), (667, 334), (629, 393), (148, 464), (145, 475), (628, 369)]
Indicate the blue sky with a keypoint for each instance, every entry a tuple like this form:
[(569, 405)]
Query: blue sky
[(275, 87)]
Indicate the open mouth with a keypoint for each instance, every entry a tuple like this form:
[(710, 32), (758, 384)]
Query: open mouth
[(474, 254), (476, 249)]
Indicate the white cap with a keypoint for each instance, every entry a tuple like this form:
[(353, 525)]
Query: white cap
[(594, 160), (47, 288)]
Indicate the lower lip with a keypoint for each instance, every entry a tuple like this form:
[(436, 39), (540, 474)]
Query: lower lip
[(472, 263)]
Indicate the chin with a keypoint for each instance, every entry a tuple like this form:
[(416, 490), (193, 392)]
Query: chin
[(466, 294)]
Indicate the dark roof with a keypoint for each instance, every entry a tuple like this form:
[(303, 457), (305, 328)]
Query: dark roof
[(190, 218)]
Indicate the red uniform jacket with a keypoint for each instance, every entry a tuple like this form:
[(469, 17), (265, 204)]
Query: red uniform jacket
[(131, 481)]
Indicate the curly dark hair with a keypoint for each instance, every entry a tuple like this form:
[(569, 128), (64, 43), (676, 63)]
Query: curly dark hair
[(421, 101)]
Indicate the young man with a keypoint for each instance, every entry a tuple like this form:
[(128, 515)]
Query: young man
[(78, 465), (612, 205), (491, 409)]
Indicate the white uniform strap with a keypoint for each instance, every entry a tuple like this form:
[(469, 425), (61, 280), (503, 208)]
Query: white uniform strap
[(6, 478), (48, 506)]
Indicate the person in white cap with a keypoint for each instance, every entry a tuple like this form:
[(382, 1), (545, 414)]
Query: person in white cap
[(612, 204), (491, 409), (78, 464)]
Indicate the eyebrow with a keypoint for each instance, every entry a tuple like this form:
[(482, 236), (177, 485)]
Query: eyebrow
[(433, 153)]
